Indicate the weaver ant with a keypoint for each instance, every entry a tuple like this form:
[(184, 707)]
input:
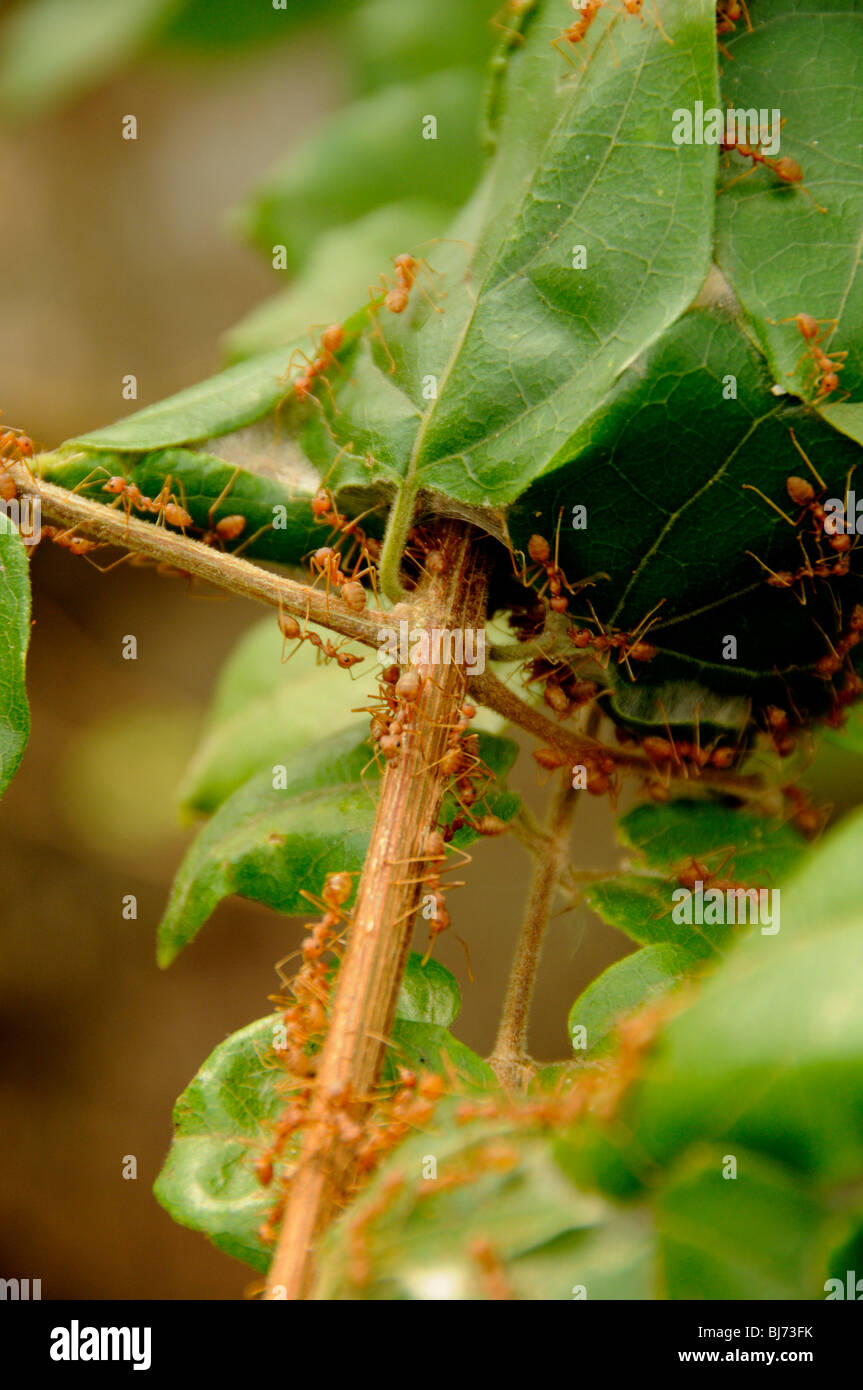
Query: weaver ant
[(292, 632), (332, 341), (433, 855), (165, 503), (631, 646), (827, 365), (728, 12), (15, 447), (785, 168), (76, 545)]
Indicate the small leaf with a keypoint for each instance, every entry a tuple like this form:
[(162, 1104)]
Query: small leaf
[(232, 399), (14, 639), (625, 985), (430, 1047), (267, 843), (264, 711), (429, 993), (208, 1181)]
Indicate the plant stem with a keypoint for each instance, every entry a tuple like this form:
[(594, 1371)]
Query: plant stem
[(230, 572), (394, 544), (238, 576), (510, 1059), (381, 923)]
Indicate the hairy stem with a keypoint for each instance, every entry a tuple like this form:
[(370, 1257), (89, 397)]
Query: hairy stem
[(510, 1060), (235, 575), (238, 576), (381, 924), (394, 544)]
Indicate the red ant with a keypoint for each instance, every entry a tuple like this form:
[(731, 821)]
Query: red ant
[(630, 645), (588, 10), (785, 168), (433, 855), (728, 12), (827, 364), (332, 341), (292, 632), (76, 545), (165, 503), (15, 447)]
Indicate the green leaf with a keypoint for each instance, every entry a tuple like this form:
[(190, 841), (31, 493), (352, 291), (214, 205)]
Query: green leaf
[(215, 25), (524, 353), (669, 834), (675, 456), (429, 993), (368, 154), (758, 1235), (731, 844), (224, 1120), (14, 639), (222, 1123), (54, 49), (232, 399), (265, 711), (626, 985), (340, 267), (771, 1054), (268, 843), (279, 507), (818, 271), (502, 1188), (424, 1046)]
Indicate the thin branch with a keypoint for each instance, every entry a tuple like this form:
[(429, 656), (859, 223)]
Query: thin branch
[(510, 1060), (111, 526), (381, 924)]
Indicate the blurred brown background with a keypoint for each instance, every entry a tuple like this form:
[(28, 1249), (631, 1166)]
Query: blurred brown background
[(113, 259)]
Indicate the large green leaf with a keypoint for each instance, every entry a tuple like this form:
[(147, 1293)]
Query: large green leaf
[(757, 1234), (429, 993), (771, 1054), (14, 639), (818, 270), (552, 1241), (527, 345)]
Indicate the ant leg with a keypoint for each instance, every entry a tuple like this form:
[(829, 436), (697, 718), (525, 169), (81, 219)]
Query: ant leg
[(806, 459), (736, 179), (750, 487), (222, 495)]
